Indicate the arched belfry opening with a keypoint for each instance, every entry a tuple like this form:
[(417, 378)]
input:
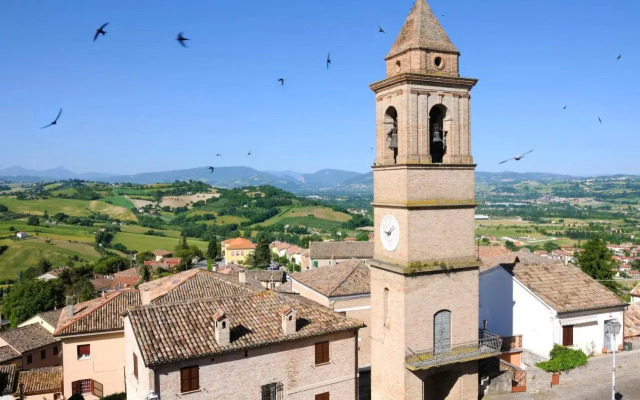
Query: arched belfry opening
[(437, 134), (391, 130)]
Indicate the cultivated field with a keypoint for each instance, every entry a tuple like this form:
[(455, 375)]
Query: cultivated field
[(76, 208)]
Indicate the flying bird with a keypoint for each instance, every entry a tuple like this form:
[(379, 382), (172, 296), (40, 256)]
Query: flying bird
[(249, 153), (100, 31), (218, 155), (181, 39), (328, 60), (600, 120), (619, 57), (564, 108), (55, 121), (380, 30), (281, 80), (517, 158), (211, 169)]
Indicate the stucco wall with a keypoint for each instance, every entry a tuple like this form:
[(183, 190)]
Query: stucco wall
[(44, 396), (137, 388), (234, 376), (106, 364)]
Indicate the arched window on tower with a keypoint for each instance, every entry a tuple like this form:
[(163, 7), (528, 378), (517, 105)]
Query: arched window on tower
[(442, 332), (385, 301), (391, 130), (437, 135)]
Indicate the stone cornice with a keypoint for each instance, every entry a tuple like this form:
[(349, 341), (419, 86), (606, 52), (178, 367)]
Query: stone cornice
[(423, 79), (422, 204), (448, 267), (437, 166)]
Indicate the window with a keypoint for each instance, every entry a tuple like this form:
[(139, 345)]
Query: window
[(189, 379), (385, 303), (135, 366), (442, 332), (29, 359), (567, 335), (322, 396), (322, 353), (82, 386), (84, 352), (43, 354), (55, 350), (272, 391)]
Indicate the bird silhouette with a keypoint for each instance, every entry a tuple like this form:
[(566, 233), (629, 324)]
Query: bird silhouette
[(218, 155), (55, 121), (328, 60), (380, 30), (249, 153), (181, 39), (564, 108), (600, 120), (281, 80), (619, 57), (211, 169), (517, 158), (100, 31)]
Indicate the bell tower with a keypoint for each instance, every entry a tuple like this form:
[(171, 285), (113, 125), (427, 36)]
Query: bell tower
[(424, 276)]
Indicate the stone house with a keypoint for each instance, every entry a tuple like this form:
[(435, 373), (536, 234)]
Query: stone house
[(547, 302), (39, 384), (635, 294), (294, 254), (329, 253), (162, 254), (235, 251), (30, 346), (48, 320), (264, 345)]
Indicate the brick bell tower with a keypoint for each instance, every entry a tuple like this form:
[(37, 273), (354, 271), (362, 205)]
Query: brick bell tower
[(424, 276)]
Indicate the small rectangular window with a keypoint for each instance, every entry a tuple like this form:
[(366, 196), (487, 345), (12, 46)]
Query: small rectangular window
[(55, 350), (84, 352), (82, 386), (135, 366), (29, 359), (43, 354), (322, 396), (322, 353), (272, 391), (567, 335), (189, 379)]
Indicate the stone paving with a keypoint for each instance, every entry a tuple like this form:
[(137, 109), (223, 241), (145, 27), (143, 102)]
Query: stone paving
[(592, 382)]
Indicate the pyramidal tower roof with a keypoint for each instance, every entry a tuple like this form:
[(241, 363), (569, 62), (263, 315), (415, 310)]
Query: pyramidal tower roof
[(422, 30)]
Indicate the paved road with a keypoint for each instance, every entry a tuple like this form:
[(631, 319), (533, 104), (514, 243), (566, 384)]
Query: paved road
[(593, 382)]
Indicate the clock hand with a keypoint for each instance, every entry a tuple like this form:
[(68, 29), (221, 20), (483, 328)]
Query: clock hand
[(391, 230)]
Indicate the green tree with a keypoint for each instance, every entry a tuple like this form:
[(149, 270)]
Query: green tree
[(262, 253), (3, 208), (30, 297), (104, 238), (44, 265), (110, 265), (144, 256), (145, 273), (595, 260), (33, 220), (45, 215), (84, 290), (362, 237), (550, 246), (212, 249), (511, 246), (182, 244)]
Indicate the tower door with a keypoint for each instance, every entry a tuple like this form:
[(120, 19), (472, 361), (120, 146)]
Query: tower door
[(442, 332)]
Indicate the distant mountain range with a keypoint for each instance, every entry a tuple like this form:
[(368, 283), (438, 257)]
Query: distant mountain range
[(325, 180)]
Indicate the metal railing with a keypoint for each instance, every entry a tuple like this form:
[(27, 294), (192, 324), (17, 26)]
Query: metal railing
[(511, 342), (487, 346)]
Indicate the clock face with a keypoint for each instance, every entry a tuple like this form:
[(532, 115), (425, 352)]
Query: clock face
[(389, 232)]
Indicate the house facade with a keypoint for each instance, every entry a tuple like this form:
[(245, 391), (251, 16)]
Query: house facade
[(547, 302), (30, 346), (235, 251), (266, 345)]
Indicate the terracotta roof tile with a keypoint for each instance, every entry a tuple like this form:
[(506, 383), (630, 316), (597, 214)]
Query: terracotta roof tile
[(7, 378), (340, 250), (28, 337), (192, 284), (7, 353), (162, 252), (40, 380), (51, 317), (635, 291), (632, 321), (98, 315), (240, 243), (184, 330), (563, 287), (343, 279)]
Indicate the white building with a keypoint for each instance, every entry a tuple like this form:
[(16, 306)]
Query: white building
[(22, 235), (547, 303)]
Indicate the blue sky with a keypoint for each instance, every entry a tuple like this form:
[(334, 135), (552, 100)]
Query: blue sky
[(136, 101)]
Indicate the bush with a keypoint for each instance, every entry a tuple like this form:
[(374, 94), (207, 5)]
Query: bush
[(76, 396), (33, 220), (115, 396), (563, 359)]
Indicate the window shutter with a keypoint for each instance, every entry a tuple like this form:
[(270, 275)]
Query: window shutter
[(92, 388), (184, 380), (97, 388), (325, 352), (195, 378), (318, 353), (74, 387)]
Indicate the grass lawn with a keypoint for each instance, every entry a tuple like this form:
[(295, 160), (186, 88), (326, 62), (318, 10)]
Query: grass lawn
[(61, 232), (78, 208), (141, 230), (298, 214), (23, 254), (145, 242), (119, 201)]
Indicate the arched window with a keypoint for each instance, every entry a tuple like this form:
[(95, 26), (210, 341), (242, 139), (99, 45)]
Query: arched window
[(391, 130), (385, 303), (437, 135), (442, 332)]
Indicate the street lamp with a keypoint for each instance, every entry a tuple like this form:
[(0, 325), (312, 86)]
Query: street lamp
[(612, 328)]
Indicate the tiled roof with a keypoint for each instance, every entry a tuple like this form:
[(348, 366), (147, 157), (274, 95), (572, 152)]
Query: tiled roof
[(632, 321), (254, 278), (191, 284), (7, 353), (422, 31), (635, 291), (51, 317), (40, 380), (98, 315), (7, 378), (101, 283), (240, 243), (184, 330), (340, 250), (162, 252), (565, 288), (293, 250), (28, 337), (344, 279), (127, 272), (492, 251)]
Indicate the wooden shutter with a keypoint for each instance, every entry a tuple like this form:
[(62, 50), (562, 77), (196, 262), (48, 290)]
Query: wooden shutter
[(195, 378), (322, 396), (322, 353), (74, 387), (567, 335), (84, 350), (96, 388), (442, 332), (184, 380)]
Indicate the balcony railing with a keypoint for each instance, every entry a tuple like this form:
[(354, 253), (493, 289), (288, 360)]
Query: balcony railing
[(511, 342), (489, 345)]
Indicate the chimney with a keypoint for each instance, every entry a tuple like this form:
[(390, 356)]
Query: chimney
[(242, 276), (145, 296), (289, 317), (69, 306), (221, 328)]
